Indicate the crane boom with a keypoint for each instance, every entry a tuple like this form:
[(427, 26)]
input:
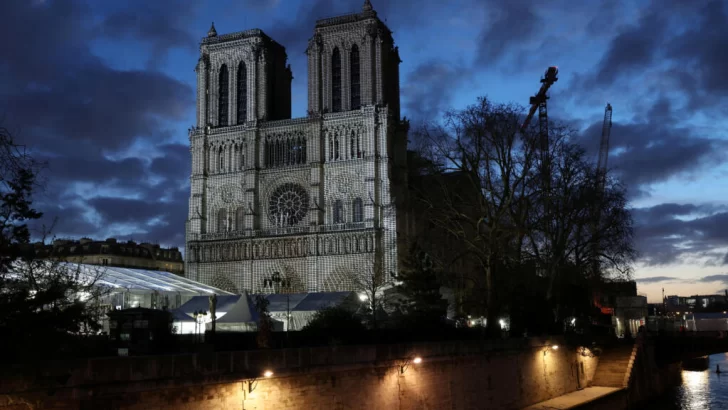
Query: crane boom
[(549, 78)]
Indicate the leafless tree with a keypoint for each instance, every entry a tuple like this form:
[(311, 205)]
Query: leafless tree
[(486, 192), (486, 166)]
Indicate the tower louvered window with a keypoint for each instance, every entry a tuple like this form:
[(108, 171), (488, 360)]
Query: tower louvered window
[(242, 91), (355, 78), (336, 81), (222, 109)]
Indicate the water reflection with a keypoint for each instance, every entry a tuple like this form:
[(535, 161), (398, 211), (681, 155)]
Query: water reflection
[(704, 390)]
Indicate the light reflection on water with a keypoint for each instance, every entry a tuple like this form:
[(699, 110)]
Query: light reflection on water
[(704, 390)]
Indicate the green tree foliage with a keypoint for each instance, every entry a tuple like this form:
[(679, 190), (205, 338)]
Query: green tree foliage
[(334, 325)]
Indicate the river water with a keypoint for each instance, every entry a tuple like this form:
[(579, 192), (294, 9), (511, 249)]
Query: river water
[(704, 390)]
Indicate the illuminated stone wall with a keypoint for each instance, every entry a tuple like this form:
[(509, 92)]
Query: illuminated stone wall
[(458, 375)]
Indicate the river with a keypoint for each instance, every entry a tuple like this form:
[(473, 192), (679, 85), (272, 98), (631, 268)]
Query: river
[(704, 390)]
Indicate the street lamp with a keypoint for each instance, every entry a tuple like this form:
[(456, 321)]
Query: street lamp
[(276, 282), (199, 316)]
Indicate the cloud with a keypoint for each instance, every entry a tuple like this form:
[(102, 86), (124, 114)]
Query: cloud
[(656, 279), (81, 115), (715, 278), (429, 89), (670, 232), (655, 148)]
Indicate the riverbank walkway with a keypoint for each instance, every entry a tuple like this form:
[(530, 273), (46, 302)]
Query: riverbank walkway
[(575, 399)]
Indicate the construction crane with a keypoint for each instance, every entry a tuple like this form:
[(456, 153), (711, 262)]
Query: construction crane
[(538, 101), (601, 176)]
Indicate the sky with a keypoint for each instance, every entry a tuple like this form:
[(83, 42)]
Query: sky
[(104, 92)]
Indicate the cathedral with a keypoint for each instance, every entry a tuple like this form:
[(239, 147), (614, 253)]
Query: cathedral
[(317, 200)]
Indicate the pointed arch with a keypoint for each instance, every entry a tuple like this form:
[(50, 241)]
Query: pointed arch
[(336, 80), (220, 159), (354, 72), (222, 95), (242, 93)]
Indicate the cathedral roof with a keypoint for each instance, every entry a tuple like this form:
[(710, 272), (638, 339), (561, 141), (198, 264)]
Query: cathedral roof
[(367, 12), (222, 38)]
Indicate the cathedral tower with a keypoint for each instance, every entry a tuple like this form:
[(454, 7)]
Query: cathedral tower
[(314, 199)]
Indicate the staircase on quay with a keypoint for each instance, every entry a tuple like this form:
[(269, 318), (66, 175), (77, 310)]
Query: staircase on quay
[(615, 366)]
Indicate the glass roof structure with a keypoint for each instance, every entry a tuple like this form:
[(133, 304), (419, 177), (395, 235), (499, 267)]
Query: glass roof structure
[(140, 280)]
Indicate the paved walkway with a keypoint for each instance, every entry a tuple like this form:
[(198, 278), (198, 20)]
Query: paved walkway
[(574, 399)]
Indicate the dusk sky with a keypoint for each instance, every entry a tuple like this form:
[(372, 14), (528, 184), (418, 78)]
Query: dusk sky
[(104, 91)]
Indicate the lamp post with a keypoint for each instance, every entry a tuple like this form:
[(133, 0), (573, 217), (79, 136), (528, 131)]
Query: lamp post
[(199, 316), (276, 282)]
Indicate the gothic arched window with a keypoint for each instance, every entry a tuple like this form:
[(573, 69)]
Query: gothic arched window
[(336, 80), (239, 219), (221, 160), (351, 145), (338, 212), (222, 97), (221, 220), (357, 210), (336, 146), (358, 146), (355, 78), (242, 99)]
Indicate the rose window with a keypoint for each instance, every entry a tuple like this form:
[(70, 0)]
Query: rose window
[(288, 205)]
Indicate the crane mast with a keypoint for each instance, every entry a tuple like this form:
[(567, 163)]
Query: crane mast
[(601, 175), (538, 102)]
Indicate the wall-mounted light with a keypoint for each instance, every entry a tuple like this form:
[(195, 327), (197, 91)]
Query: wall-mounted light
[(253, 383), (415, 360), (548, 348)]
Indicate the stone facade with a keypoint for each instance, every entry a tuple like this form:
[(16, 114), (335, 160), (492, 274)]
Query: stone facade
[(318, 198)]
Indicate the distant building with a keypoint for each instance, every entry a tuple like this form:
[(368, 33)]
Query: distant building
[(112, 253), (676, 303)]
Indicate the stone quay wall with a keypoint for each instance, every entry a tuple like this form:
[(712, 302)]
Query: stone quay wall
[(504, 374)]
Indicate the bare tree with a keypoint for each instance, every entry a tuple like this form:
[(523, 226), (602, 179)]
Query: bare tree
[(43, 301), (487, 194), (493, 164)]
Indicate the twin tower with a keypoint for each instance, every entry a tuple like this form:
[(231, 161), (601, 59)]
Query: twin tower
[(317, 200)]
